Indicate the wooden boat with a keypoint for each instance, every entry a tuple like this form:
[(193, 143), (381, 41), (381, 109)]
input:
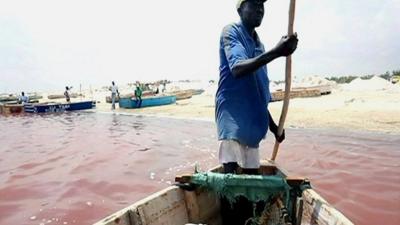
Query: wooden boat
[(17, 102), (144, 94), (58, 96), (8, 98), (278, 95), (51, 107), (132, 103), (181, 95), (175, 205), (11, 108), (12, 99), (34, 97), (196, 91)]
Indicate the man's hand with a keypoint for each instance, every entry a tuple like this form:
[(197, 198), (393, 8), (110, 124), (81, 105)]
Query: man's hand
[(287, 45), (274, 130), (280, 138)]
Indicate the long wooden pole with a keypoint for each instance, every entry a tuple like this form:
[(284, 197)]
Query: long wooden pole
[(288, 81)]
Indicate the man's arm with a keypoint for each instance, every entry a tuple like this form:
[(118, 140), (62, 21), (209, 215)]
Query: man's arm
[(248, 66), (285, 47), (274, 128)]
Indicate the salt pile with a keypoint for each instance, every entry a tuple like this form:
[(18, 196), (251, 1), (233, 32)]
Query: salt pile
[(308, 82), (374, 84), (311, 81)]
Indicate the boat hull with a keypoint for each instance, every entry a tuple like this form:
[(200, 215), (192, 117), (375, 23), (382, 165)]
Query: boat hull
[(174, 205), (132, 103), (58, 107), (11, 108)]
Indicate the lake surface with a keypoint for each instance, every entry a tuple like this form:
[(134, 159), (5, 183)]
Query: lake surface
[(78, 167)]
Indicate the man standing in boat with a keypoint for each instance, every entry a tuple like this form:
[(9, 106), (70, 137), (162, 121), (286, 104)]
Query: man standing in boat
[(138, 95), (114, 93), (67, 94), (243, 93), (23, 99)]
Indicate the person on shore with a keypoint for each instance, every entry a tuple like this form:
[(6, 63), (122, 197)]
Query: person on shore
[(138, 95), (114, 94), (242, 98), (67, 93), (23, 99)]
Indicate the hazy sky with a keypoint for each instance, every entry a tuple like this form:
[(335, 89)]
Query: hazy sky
[(49, 44)]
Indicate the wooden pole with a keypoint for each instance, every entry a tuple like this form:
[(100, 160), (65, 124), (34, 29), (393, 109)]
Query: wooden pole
[(288, 81)]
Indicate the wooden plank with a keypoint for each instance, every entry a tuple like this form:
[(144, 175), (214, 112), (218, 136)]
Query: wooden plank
[(192, 206), (119, 218), (209, 205), (317, 211), (296, 181), (166, 207)]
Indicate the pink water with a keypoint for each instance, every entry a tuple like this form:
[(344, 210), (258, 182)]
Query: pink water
[(77, 168)]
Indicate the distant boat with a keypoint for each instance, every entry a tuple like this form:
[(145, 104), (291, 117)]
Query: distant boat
[(58, 96), (196, 91), (58, 107), (279, 95), (184, 94), (132, 103), (13, 98), (145, 93), (11, 108), (8, 98)]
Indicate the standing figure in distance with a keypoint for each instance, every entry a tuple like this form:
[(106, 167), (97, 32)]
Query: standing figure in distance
[(138, 95), (114, 93), (67, 94), (23, 99)]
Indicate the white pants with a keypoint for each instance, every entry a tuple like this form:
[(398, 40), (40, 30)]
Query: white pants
[(233, 151)]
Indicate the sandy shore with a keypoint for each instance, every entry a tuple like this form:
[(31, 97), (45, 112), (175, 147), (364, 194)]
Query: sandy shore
[(377, 111)]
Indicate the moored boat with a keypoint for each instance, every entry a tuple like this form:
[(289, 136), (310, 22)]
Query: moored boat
[(11, 108), (61, 96), (132, 103), (14, 99), (198, 205), (50, 107), (144, 94), (196, 91), (8, 98), (181, 95)]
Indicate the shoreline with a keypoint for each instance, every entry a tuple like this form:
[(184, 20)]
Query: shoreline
[(347, 111)]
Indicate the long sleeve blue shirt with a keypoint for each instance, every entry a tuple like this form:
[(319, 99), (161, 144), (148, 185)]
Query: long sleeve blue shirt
[(241, 103)]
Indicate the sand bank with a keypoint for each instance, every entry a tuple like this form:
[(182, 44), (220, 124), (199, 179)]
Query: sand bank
[(348, 110)]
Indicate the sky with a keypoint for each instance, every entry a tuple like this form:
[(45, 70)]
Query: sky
[(48, 44)]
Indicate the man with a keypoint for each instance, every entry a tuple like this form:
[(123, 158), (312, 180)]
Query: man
[(23, 99), (67, 94), (138, 95), (243, 92), (242, 99), (114, 92)]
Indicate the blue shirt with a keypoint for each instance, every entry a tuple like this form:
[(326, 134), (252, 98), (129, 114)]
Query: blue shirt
[(241, 103)]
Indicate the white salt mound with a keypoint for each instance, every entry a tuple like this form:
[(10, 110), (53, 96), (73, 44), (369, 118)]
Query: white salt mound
[(374, 84), (316, 81), (306, 82)]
